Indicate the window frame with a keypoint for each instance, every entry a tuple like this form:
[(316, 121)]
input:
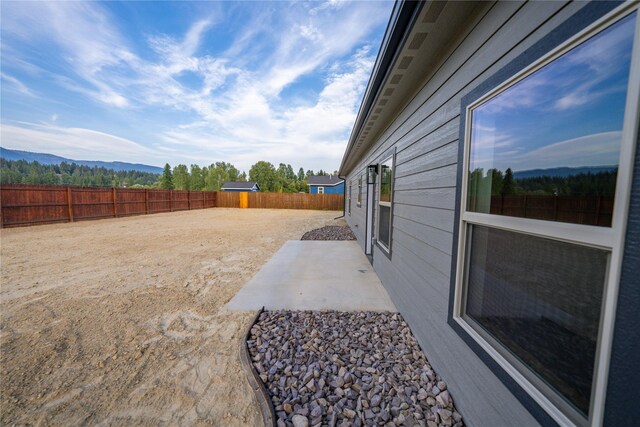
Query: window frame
[(608, 238), (389, 156), (359, 199), (350, 192), (320, 189)]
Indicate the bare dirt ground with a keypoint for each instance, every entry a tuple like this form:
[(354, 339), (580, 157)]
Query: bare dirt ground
[(121, 321)]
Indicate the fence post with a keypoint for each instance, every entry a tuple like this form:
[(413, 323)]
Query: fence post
[(189, 199), (115, 211), (146, 201), (171, 200), (1, 211), (69, 205)]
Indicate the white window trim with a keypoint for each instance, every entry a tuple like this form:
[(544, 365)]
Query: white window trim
[(320, 190), (611, 238), (384, 247)]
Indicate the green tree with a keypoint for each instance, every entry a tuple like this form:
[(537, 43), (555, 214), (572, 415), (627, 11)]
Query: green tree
[(217, 176), (166, 181), (196, 178), (496, 178), (291, 175), (264, 173), (508, 186), (301, 175), (234, 174), (181, 177)]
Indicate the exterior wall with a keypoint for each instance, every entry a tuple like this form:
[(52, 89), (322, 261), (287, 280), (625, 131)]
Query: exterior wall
[(425, 134), (336, 189), (623, 393), (357, 219)]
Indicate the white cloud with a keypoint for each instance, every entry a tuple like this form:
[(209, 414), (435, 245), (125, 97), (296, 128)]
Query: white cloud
[(239, 113), (575, 78), (17, 85), (600, 149), (75, 143)]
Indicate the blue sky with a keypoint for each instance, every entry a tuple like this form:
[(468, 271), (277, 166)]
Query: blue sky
[(187, 82), (569, 113)]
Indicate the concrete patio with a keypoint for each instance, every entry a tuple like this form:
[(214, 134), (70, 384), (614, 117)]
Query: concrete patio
[(315, 275)]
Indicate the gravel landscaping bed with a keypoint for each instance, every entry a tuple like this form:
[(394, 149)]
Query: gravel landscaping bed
[(347, 368), (330, 232)]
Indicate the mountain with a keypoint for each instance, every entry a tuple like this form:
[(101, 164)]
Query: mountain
[(50, 159), (562, 171)]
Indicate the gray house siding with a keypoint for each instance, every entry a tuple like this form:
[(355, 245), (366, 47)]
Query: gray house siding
[(425, 134), (357, 219)]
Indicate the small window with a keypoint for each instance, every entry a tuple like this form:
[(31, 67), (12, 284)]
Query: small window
[(536, 232), (359, 199), (385, 199), (320, 190), (350, 183)]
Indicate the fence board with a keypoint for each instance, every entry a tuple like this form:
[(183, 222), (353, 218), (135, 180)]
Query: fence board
[(180, 201), (588, 210), (228, 200), (296, 201), (159, 201), (39, 204)]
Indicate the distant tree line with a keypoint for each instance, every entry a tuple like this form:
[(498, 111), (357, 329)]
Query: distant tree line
[(601, 184), (211, 178), (180, 177), (23, 172)]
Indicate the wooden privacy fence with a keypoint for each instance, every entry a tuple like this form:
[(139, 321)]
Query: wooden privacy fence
[(40, 204), (330, 202), (589, 210)]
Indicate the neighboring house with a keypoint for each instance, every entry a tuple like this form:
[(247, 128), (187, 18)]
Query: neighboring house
[(239, 187), (329, 184), (517, 273)]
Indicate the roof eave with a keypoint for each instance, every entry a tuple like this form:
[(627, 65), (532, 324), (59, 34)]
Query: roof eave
[(329, 185), (402, 17)]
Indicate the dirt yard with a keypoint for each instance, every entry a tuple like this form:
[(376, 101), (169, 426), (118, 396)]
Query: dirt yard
[(121, 321)]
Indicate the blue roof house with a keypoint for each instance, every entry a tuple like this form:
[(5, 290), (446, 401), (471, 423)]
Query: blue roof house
[(240, 187), (329, 184)]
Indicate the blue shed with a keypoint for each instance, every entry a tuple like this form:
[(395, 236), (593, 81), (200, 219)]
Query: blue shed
[(325, 184), (240, 187)]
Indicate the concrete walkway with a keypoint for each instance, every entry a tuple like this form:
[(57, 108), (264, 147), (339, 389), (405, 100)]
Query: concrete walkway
[(315, 275)]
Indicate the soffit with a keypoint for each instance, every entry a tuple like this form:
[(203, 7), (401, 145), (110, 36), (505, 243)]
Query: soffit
[(432, 35)]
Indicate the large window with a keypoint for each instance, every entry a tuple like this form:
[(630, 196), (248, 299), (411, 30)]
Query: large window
[(385, 191), (539, 246)]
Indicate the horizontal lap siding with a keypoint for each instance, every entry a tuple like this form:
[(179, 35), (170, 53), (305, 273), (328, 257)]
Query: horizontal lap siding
[(357, 219), (425, 137)]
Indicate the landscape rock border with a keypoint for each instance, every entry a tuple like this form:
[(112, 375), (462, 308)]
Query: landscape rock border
[(330, 232), (348, 369), (258, 387)]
